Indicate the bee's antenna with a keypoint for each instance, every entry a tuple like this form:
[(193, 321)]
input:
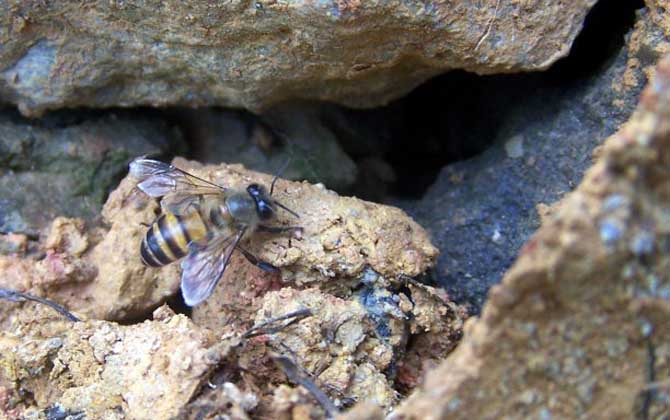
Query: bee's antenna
[(274, 180), (287, 209)]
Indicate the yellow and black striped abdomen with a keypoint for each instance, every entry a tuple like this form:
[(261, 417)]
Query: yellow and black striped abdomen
[(168, 237)]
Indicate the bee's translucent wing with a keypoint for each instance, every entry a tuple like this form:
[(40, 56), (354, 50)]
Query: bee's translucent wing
[(143, 168), (180, 203), (204, 266), (158, 179)]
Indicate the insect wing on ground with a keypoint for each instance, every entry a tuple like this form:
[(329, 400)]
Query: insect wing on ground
[(204, 267)]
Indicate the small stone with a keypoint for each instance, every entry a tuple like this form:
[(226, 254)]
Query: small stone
[(497, 237), (585, 390), (613, 202), (528, 397), (646, 328), (611, 230), (545, 414), (617, 346), (514, 147), (642, 243)]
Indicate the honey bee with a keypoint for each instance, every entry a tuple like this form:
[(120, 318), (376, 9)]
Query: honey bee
[(203, 222)]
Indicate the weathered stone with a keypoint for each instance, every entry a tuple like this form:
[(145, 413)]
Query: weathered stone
[(99, 272), (100, 369), (294, 138), (66, 165), (578, 328), (255, 54)]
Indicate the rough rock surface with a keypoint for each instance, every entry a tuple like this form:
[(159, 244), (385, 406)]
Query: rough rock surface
[(491, 204), (99, 273), (293, 138), (351, 344), (357, 347), (66, 164), (254, 54), (157, 369), (337, 346), (342, 236), (101, 370), (578, 328)]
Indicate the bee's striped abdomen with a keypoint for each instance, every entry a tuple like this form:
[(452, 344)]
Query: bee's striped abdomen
[(168, 238)]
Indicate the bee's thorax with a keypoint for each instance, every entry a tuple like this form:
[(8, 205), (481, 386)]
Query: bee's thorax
[(242, 209)]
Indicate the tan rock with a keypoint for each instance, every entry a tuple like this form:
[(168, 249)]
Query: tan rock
[(99, 273), (328, 346), (261, 53), (104, 370)]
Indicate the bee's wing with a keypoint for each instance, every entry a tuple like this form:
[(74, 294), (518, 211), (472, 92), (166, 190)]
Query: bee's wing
[(203, 267), (158, 179), (180, 202)]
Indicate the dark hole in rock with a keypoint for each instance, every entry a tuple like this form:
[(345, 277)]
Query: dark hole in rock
[(396, 153), (398, 150), (541, 128), (456, 116), (174, 302)]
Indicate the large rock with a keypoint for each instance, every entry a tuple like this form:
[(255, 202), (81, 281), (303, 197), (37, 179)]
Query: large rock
[(254, 54), (98, 271), (99, 369), (66, 164), (294, 139), (578, 328), (482, 210)]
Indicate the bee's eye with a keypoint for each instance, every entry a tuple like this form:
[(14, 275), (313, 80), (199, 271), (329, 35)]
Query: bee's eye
[(264, 210)]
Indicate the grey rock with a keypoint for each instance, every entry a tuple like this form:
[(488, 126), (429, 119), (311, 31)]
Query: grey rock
[(294, 139), (66, 164), (254, 54)]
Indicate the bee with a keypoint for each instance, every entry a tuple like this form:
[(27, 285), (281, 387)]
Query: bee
[(203, 223)]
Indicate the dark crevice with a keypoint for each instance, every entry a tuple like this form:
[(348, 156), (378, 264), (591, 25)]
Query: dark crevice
[(456, 116)]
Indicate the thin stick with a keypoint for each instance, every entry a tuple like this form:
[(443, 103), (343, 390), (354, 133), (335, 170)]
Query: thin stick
[(291, 371), (14, 296), (266, 327)]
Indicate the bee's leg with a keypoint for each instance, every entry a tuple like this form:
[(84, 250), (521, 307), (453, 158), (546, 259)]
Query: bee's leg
[(258, 263), (145, 224), (297, 230)]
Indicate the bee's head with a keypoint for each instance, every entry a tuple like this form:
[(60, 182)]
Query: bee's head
[(264, 204)]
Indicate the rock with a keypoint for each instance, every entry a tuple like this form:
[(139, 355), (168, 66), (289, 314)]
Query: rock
[(295, 404), (66, 165), (336, 345), (480, 211), (295, 138), (99, 273), (227, 398), (13, 243), (256, 54), (578, 328), (435, 328), (104, 370), (350, 346)]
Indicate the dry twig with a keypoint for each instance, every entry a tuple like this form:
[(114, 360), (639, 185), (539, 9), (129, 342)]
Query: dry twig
[(291, 371), (14, 296)]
